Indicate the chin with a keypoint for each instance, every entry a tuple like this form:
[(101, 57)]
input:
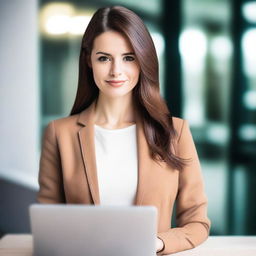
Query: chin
[(116, 94)]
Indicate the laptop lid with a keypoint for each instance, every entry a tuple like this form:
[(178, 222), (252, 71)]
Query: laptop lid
[(93, 230)]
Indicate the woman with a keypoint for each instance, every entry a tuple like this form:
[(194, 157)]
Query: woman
[(120, 145)]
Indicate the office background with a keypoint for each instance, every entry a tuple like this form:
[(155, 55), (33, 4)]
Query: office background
[(207, 57)]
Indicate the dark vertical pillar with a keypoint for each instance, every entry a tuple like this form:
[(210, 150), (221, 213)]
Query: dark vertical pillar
[(237, 113), (171, 24)]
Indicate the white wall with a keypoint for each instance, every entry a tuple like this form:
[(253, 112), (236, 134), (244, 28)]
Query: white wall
[(19, 91)]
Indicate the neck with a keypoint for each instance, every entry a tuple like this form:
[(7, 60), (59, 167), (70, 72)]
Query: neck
[(114, 112)]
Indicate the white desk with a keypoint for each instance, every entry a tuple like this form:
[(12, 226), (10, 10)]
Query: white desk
[(21, 245)]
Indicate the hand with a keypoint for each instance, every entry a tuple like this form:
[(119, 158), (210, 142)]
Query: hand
[(159, 244)]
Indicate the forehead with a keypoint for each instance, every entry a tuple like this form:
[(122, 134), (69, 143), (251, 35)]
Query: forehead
[(112, 42)]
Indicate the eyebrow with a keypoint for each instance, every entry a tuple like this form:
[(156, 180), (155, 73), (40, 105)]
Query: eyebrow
[(128, 53)]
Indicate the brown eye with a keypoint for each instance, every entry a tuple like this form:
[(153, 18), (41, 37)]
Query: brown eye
[(103, 58), (129, 58)]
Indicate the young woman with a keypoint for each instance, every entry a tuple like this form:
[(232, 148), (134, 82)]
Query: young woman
[(120, 144)]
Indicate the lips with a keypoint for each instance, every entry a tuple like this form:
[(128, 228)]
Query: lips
[(116, 83)]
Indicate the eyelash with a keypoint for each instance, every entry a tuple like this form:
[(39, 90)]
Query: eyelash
[(100, 58)]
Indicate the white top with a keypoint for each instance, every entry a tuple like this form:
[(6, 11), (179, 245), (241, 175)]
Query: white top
[(116, 160)]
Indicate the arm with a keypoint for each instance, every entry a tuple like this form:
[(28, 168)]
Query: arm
[(50, 172), (191, 202)]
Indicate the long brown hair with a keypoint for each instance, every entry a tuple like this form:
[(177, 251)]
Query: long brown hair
[(152, 108)]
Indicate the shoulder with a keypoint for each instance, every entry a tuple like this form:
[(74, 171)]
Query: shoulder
[(178, 124), (66, 121), (182, 128), (63, 124)]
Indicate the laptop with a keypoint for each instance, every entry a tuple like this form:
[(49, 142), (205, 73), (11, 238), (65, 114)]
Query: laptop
[(93, 230)]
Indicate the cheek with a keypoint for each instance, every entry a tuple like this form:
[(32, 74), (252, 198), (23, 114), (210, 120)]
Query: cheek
[(99, 72), (135, 72)]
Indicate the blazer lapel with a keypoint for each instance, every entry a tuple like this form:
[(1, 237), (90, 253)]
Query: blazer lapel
[(144, 161), (87, 145)]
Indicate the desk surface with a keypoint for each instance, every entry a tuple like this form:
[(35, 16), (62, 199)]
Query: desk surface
[(22, 245)]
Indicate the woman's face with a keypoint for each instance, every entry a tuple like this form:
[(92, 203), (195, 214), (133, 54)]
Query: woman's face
[(112, 60)]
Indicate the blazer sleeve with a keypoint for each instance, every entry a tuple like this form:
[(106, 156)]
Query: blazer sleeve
[(50, 172), (193, 225)]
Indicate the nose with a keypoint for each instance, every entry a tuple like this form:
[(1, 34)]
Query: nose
[(116, 68)]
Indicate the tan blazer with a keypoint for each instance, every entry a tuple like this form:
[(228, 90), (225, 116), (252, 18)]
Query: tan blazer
[(68, 174)]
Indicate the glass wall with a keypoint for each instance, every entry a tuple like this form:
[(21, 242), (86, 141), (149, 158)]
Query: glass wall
[(217, 47)]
